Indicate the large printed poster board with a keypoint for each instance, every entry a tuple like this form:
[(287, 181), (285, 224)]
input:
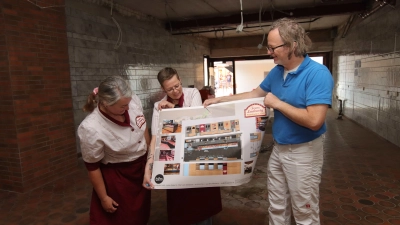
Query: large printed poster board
[(208, 147)]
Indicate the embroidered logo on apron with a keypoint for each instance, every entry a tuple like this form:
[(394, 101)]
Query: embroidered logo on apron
[(140, 120)]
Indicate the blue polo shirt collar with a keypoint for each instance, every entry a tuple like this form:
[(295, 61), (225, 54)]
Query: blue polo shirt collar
[(303, 65)]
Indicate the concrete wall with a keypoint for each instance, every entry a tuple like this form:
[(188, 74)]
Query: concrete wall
[(367, 72), (145, 49)]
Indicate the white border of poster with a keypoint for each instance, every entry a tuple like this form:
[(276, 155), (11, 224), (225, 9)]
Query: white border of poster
[(209, 147)]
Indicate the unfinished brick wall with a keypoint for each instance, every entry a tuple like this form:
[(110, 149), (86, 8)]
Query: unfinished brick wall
[(37, 128)]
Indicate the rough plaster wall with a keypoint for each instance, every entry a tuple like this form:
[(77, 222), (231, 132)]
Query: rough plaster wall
[(146, 48), (367, 73)]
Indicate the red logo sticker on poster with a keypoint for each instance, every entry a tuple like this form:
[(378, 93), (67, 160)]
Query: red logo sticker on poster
[(140, 120), (255, 110)]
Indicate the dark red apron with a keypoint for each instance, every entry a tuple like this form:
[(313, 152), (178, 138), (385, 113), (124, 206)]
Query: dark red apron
[(192, 205), (123, 183)]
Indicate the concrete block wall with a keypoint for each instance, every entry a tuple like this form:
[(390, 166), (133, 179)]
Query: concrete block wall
[(146, 48), (367, 72), (37, 137)]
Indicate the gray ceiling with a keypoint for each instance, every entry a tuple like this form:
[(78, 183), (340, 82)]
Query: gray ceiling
[(217, 18)]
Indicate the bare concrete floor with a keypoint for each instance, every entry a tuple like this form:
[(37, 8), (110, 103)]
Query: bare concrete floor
[(360, 185)]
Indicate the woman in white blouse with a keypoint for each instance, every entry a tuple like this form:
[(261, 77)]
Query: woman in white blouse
[(114, 139), (184, 206)]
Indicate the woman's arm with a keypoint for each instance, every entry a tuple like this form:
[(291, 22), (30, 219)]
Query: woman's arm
[(149, 165), (147, 137), (97, 181)]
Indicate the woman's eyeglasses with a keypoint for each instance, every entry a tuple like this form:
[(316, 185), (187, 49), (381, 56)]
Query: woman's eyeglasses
[(176, 87)]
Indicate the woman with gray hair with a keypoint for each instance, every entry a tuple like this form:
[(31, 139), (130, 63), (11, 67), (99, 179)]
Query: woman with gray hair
[(114, 140)]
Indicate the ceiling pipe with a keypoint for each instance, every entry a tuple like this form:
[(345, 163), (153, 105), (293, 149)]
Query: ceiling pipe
[(381, 3), (299, 13), (347, 26), (231, 28)]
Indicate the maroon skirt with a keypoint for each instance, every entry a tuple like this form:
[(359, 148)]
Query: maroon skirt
[(192, 205), (123, 183)]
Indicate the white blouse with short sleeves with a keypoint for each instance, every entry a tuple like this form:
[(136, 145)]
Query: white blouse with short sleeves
[(191, 97), (105, 141)]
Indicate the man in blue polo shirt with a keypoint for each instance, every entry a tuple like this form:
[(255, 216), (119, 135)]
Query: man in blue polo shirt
[(300, 92)]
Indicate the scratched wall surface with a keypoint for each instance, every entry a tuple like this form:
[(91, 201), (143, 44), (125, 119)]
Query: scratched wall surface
[(367, 73), (146, 48)]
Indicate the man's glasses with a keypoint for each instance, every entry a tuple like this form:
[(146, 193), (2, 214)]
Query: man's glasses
[(176, 87), (272, 49)]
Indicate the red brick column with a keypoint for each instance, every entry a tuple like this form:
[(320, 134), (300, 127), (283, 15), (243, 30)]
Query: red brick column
[(37, 136)]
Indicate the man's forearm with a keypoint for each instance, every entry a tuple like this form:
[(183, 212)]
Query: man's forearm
[(256, 93), (312, 117)]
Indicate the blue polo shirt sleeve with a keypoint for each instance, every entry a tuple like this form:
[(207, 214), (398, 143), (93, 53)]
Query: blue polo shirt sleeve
[(273, 76), (319, 87), (265, 85)]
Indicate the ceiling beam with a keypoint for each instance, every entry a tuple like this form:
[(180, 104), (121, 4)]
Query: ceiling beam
[(317, 11), (323, 35)]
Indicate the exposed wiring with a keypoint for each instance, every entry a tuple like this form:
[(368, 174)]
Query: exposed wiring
[(231, 28), (259, 20), (247, 32), (251, 31), (273, 9), (240, 27), (46, 7), (241, 12), (119, 40)]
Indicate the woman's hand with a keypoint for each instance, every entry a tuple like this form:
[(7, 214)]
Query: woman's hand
[(147, 175), (109, 205), (164, 104)]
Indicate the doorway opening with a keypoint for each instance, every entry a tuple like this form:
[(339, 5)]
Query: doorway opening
[(234, 75)]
